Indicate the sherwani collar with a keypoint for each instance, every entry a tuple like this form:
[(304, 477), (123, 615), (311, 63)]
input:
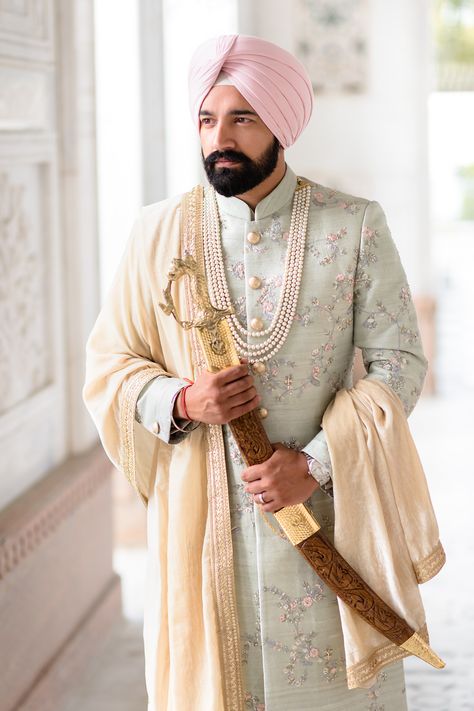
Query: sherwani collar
[(274, 201)]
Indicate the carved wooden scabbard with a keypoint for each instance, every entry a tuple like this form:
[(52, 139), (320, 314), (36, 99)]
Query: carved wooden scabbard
[(303, 530), (349, 586), (320, 553), (299, 525)]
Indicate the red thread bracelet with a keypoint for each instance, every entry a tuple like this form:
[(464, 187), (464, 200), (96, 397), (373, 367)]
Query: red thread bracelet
[(183, 399)]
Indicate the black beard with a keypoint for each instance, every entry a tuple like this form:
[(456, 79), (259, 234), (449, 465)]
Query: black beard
[(244, 177)]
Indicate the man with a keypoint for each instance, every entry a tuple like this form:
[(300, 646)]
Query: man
[(234, 617)]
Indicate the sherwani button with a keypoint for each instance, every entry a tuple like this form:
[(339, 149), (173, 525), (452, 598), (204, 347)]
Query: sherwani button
[(155, 428), (256, 324), (255, 282), (259, 367), (253, 237), (263, 412)]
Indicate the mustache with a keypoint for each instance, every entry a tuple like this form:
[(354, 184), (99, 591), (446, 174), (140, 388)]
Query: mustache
[(226, 155)]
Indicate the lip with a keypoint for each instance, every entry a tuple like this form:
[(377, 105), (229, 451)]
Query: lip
[(227, 162)]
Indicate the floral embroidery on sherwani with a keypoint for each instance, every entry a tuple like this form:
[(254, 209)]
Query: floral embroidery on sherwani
[(292, 648), (304, 651)]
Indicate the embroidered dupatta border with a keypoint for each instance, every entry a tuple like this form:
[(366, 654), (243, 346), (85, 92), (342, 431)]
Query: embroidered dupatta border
[(131, 391), (431, 565), (360, 673), (222, 565)]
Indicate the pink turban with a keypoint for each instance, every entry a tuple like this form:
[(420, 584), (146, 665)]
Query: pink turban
[(273, 81)]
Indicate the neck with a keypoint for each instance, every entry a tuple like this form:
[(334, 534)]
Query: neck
[(260, 191)]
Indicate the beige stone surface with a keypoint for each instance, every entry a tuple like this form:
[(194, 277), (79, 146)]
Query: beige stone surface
[(114, 680), (73, 659), (55, 566)]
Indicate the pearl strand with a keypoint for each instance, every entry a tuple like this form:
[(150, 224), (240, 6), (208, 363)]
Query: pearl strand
[(286, 309), (282, 325), (290, 266)]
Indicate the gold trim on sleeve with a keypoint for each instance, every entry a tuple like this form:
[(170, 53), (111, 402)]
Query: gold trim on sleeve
[(131, 392)]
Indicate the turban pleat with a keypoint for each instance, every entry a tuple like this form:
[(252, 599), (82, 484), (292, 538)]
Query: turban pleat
[(271, 79)]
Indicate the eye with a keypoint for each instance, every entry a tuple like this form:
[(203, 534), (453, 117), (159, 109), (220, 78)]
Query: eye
[(243, 119), (206, 120)]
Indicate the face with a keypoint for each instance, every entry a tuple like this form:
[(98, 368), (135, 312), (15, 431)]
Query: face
[(238, 149)]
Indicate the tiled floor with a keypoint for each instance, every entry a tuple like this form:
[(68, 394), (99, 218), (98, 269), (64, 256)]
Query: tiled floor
[(114, 680), (444, 436)]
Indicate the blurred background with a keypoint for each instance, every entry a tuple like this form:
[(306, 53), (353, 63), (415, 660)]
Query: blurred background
[(94, 123)]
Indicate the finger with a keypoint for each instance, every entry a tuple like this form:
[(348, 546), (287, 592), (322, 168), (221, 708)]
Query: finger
[(236, 386), (230, 374), (251, 473), (270, 507), (267, 495), (241, 398), (255, 487), (242, 409)]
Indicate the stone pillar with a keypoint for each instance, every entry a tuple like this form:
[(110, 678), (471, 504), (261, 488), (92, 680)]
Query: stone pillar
[(152, 101), (58, 590)]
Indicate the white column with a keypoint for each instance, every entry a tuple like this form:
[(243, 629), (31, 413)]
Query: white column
[(187, 23), (78, 180), (119, 126), (152, 101)]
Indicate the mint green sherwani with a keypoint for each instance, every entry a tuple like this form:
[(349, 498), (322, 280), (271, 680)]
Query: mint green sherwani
[(353, 293)]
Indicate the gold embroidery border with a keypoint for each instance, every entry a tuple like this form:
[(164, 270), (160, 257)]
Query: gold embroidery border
[(360, 673), (218, 496), (131, 391), (431, 565)]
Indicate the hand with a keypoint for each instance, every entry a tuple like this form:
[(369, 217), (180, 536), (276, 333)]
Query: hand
[(283, 479), (218, 398)]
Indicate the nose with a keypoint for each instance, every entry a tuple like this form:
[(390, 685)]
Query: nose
[(223, 138)]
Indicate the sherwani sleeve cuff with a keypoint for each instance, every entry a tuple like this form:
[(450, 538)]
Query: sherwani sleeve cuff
[(317, 448), (154, 409)]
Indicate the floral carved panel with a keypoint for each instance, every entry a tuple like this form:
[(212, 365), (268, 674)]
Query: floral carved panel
[(26, 18), (331, 41), (24, 99), (26, 29), (24, 345)]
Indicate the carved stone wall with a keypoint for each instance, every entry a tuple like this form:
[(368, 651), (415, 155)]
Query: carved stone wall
[(26, 29), (25, 352), (58, 590), (33, 401)]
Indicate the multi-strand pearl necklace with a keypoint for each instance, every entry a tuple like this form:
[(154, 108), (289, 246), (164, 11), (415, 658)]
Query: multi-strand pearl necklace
[(278, 330)]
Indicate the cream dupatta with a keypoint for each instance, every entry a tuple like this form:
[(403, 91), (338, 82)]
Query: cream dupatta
[(191, 629), (385, 526)]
